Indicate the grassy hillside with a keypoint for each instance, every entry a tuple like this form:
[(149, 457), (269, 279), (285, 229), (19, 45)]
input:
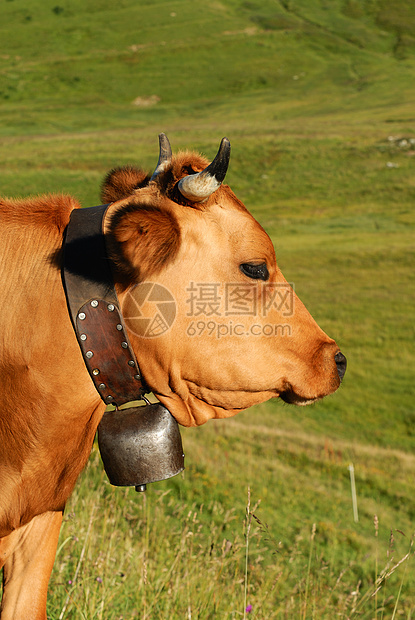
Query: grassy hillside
[(318, 99)]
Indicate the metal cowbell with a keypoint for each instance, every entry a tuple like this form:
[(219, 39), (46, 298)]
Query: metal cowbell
[(140, 445)]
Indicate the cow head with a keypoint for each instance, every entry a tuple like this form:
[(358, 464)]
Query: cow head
[(215, 326)]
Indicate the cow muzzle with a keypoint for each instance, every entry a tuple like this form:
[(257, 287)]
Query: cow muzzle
[(322, 384)]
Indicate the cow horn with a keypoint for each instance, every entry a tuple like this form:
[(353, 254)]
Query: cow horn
[(198, 187), (164, 157)]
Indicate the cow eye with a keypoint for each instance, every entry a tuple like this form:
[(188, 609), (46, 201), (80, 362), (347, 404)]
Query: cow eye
[(255, 271)]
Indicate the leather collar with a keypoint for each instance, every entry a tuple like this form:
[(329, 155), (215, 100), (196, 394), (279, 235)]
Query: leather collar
[(94, 309)]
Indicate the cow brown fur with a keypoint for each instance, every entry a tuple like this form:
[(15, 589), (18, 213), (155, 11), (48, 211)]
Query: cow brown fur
[(50, 408)]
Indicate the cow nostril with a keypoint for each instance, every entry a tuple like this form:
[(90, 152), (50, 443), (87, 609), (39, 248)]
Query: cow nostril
[(341, 363)]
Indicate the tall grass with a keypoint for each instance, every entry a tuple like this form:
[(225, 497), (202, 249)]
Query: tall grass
[(159, 555)]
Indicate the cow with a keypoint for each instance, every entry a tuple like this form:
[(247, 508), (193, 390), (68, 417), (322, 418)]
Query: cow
[(238, 336)]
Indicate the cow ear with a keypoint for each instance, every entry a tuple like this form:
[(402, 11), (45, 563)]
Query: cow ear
[(142, 240), (120, 183)]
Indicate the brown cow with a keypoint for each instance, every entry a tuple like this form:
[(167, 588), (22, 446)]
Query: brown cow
[(239, 336)]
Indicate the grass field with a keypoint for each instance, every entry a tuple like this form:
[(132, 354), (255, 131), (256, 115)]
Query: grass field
[(318, 100)]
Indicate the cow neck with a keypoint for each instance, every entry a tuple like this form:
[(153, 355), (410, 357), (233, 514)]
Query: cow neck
[(94, 309)]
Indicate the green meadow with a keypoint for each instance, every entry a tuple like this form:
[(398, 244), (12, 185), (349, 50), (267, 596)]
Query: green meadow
[(318, 100)]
